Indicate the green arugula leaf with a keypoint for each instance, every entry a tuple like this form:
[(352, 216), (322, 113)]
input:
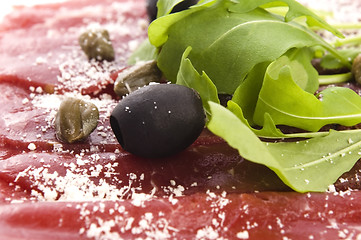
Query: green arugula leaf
[(247, 93), (328, 61), (158, 29), (188, 76), (165, 7), (288, 104), (269, 129), (145, 52), (309, 165), (263, 59), (335, 78), (303, 73), (315, 164), (239, 136), (227, 45), (295, 10)]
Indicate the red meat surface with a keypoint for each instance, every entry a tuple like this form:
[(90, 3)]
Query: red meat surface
[(199, 216), (39, 45), (94, 189)]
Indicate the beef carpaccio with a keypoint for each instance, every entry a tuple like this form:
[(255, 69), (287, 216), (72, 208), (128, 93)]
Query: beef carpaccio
[(94, 189)]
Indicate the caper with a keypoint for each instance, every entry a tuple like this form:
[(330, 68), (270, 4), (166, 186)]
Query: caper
[(96, 45), (152, 7), (137, 76), (75, 120), (158, 120), (356, 69)]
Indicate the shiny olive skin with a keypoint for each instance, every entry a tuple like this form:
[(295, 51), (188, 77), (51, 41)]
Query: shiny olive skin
[(224, 98), (152, 7), (159, 120)]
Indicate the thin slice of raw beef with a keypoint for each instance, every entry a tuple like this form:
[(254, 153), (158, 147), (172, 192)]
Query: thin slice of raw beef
[(94, 189)]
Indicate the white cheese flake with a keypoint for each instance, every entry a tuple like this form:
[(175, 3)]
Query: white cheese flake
[(243, 235), (32, 147)]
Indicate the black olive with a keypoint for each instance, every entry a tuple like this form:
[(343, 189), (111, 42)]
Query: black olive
[(152, 7), (158, 120), (224, 98)]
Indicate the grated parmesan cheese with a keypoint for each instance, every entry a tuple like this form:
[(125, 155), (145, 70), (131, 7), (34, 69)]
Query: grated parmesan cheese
[(243, 235), (77, 183), (32, 147)]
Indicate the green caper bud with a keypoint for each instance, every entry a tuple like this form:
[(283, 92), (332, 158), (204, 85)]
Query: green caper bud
[(356, 69), (97, 45), (136, 77), (75, 120)]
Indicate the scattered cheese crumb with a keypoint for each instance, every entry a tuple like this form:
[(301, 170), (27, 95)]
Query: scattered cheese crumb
[(32, 147), (243, 235)]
